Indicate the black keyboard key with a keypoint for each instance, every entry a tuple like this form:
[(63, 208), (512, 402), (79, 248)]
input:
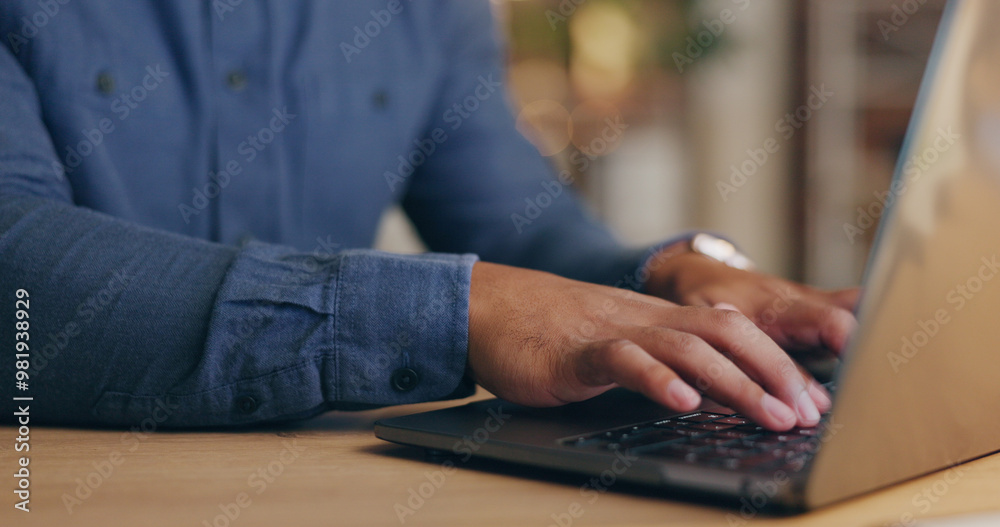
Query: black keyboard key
[(772, 439), (724, 457), (801, 447), (699, 417), (765, 443), (712, 441), (735, 451), (736, 434), (690, 431), (713, 426), (750, 428), (718, 438), (734, 420), (667, 423)]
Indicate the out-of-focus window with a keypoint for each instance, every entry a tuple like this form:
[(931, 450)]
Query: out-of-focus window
[(597, 90), (776, 122)]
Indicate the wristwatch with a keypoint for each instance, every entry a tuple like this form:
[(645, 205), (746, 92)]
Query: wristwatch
[(722, 250)]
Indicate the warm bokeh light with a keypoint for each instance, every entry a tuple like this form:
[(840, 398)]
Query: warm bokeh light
[(546, 123), (604, 40), (596, 127), (535, 79)]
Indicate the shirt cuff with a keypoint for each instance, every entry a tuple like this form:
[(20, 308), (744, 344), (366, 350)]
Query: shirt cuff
[(295, 334), (403, 328)]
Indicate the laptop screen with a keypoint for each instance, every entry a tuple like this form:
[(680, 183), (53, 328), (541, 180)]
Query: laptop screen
[(919, 388)]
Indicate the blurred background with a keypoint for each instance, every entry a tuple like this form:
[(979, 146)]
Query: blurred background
[(776, 122)]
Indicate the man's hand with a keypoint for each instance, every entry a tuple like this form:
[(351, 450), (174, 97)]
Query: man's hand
[(542, 340), (793, 315)]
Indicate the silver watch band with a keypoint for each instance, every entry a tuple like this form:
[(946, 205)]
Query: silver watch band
[(722, 250)]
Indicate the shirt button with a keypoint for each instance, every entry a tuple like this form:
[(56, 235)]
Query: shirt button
[(246, 404), (404, 379), (105, 83), (237, 80)]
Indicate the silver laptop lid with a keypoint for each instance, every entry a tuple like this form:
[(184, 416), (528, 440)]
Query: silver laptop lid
[(920, 387)]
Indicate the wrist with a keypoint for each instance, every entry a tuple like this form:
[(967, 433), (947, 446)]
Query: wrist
[(674, 270), (680, 265)]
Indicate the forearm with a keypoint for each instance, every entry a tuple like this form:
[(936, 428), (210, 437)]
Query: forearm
[(128, 321)]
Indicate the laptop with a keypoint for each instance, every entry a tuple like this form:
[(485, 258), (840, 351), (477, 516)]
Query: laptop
[(918, 389)]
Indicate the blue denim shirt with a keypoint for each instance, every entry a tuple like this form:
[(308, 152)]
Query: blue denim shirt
[(188, 190)]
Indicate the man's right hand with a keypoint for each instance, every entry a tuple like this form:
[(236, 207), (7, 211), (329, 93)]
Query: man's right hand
[(541, 340)]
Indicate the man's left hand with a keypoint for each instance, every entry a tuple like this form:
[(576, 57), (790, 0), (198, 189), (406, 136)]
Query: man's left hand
[(796, 316)]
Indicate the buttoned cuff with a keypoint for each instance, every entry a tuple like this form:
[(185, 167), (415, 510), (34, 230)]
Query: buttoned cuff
[(402, 328), (295, 334)]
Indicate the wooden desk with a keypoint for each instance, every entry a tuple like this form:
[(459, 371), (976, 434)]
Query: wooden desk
[(333, 471)]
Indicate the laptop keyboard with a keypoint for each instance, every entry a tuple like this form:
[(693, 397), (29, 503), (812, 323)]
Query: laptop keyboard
[(720, 438)]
